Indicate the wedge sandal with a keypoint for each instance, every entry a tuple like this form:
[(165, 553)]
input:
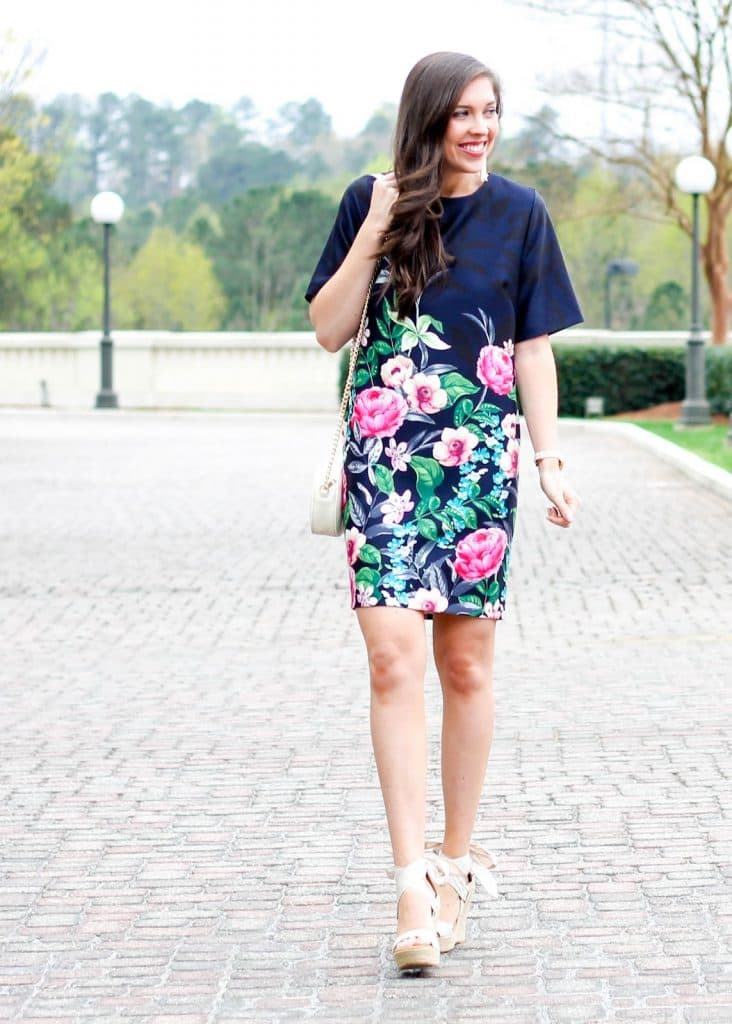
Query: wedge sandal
[(460, 873), (416, 948)]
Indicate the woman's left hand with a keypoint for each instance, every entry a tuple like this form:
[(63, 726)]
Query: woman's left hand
[(563, 497)]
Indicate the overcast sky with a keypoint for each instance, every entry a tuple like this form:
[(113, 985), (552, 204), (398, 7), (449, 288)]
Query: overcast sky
[(352, 57)]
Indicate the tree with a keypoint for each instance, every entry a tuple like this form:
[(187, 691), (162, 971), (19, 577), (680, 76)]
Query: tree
[(16, 66), (49, 278), (666, 309), (68, 295), (170, 285), (236, 167), (673, 60), (305, 123), (105, 128), (373, 142), (595, 229), (268, 245), (21, 251)]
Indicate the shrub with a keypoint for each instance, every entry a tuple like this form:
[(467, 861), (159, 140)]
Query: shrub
[(627, 378), (719, 378)]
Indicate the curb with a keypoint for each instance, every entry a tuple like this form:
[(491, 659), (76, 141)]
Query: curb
[(714, 477)]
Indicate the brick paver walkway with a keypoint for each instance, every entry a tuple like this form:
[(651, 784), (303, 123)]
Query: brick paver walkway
[(191, 828)]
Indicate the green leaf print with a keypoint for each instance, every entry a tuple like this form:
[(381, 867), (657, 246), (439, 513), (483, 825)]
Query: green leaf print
[(459, 516), (457, 386), (370, 554), (488, 415), (384, 479), (428, 529), (475, 429), (398, 326), (429, 475), (493, 591), (449, 523), (372, 359), (424, 322), (471, 519), (427, 505), (413, 334), (489, 505), (368, 578), (383, 347), (360, 378), (473, 602), (463, 411)]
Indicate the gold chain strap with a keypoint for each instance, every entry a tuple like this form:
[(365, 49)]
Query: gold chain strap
[(347, 387)]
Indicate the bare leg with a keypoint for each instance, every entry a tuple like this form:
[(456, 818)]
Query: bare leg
[(463, 649), (396, 647)]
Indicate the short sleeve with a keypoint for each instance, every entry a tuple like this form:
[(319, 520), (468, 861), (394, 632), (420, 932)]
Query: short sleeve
[(351, 214), (546, 300)]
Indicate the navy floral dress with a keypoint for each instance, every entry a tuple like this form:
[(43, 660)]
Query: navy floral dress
[(430, 479)]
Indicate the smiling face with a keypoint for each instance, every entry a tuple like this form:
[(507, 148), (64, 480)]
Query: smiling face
[(470, 136)]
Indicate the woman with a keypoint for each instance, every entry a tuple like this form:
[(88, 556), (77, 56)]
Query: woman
[(469, 284)]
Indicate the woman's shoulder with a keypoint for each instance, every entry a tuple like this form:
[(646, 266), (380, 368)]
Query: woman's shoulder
[(509, 191), (359, 191)]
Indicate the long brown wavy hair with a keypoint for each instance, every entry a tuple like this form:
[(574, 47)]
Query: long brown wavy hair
[(413, 243)]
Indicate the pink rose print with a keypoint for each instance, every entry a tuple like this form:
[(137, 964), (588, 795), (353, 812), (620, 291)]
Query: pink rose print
[(427, 601), (509, 424), (379, 412), (509, 461), (355, 540), (395, 371), (395, 506), (480, 554), (423, 392), (495, 369), (455, 446)]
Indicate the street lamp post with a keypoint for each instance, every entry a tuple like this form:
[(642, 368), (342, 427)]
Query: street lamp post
[(106, 209), (696, 176)]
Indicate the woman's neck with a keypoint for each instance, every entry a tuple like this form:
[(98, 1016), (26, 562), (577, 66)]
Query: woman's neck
[(453, 186)]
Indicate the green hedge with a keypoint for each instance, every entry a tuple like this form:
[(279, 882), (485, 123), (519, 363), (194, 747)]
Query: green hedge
[(629, 378), (719, 377)]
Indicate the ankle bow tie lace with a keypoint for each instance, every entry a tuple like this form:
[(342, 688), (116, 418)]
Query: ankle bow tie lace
[(481, 860)]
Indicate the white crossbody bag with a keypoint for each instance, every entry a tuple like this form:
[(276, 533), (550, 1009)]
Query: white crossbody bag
[(326, 502)]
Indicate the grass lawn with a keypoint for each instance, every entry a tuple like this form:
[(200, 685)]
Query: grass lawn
[(709, 443)]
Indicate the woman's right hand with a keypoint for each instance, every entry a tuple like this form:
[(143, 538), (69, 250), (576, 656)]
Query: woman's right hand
[(336, 309), (383, 197)]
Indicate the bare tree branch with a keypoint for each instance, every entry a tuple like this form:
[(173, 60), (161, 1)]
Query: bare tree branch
[(682, 66)]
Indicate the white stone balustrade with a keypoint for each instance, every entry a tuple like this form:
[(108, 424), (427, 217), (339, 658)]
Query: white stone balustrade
[(187, 370)]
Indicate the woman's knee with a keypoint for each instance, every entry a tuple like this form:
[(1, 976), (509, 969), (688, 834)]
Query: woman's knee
[(392, 671), (463, 674)]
